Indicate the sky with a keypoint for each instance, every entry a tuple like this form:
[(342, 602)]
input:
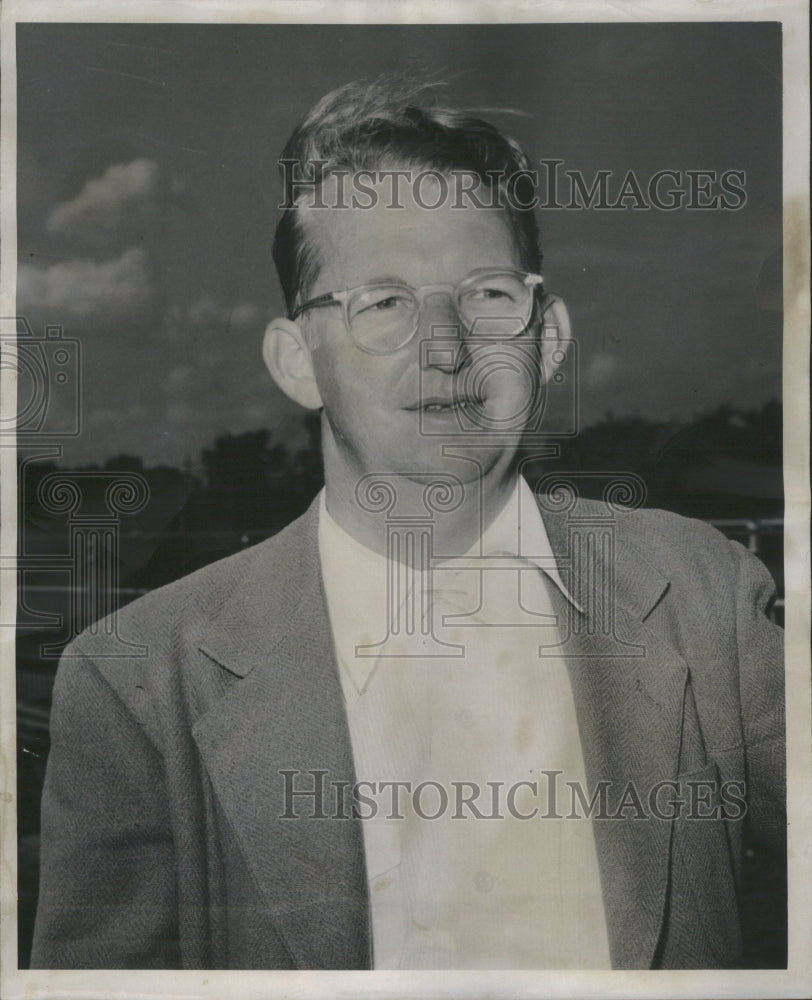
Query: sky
[(148, 191)]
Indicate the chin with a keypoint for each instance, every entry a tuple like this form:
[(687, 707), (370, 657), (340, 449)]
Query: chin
[(468, 462)]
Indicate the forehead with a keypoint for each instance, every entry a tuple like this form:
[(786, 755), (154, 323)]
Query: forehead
[(416, 231)]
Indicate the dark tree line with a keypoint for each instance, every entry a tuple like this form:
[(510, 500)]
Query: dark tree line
[(725, 464)]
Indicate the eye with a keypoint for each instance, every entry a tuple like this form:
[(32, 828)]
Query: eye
[(495, 289), (390, 302), (380, 301)]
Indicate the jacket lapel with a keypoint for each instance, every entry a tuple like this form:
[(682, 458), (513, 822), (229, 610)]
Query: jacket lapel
[(629, 687), (287, 714)]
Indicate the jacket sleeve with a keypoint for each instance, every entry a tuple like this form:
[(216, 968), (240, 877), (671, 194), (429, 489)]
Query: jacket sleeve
[(761, 687), (107, 886)]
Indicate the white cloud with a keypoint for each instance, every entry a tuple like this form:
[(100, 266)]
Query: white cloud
[(602, 368), (245, 314), (102, 293), (124, 190), (208, 311)]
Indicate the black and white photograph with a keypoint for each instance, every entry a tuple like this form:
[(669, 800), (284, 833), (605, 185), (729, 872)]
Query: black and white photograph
[(405, 461)]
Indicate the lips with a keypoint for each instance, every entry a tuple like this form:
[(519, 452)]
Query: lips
[(445, 404)]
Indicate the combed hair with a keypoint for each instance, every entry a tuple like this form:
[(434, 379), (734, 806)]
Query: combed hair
[(376, 125)]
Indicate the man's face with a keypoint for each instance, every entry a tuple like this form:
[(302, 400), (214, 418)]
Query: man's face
[(394, 412)]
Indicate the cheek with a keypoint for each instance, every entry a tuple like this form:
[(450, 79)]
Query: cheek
[(333, 365), (503, 373), (352, 383)]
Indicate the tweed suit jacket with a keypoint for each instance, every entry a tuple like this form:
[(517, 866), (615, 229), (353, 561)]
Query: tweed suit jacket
[(162, 842)]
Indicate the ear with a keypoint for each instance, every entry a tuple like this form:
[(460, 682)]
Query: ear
[(556, 335), (288, 359)]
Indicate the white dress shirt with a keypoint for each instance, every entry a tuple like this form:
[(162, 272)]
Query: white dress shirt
[(460, 706)]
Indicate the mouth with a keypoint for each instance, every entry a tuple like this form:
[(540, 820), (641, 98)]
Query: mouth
[(446, 404)]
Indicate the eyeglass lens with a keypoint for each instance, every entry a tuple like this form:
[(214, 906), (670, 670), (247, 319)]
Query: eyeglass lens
[(384, 317)]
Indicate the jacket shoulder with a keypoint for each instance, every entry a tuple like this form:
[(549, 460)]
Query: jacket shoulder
[(661, 536), (267, 568)]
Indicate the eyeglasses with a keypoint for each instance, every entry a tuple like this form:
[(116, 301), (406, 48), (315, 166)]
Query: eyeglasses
[(384, 316)]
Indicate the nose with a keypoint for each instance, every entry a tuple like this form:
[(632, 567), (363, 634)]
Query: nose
[(443, 344)]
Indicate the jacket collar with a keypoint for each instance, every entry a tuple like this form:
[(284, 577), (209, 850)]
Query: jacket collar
[(288, 713)]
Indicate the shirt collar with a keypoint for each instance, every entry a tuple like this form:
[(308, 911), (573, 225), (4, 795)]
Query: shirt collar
[(518, 530), (355, 576)]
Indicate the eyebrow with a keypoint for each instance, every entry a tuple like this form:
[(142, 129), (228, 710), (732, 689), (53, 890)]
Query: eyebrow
[(394, 279), (384, 279)]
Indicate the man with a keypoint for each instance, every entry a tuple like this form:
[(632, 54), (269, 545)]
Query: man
[(441, 720)]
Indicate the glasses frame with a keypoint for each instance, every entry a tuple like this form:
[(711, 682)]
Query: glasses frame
[(342, 298)]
